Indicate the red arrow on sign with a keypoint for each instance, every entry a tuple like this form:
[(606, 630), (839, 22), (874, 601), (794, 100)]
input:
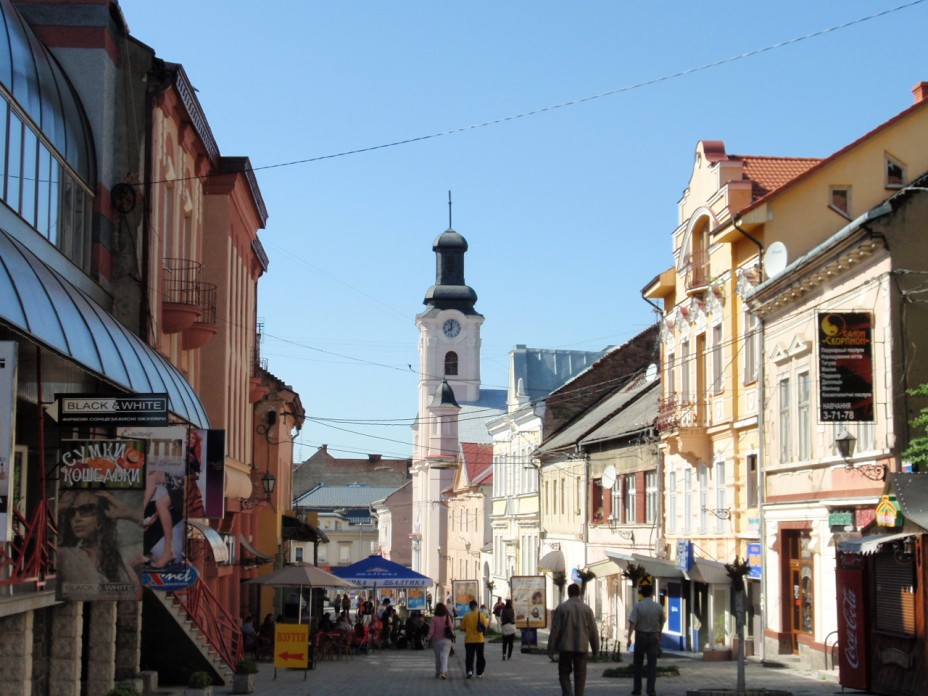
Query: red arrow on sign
[(290, 656)]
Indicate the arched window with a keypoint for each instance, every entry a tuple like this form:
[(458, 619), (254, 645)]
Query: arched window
[(451, 363)]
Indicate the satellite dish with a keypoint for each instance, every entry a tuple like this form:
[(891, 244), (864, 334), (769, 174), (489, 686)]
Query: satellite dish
[(609, 477), (651, 373), (775, 259)]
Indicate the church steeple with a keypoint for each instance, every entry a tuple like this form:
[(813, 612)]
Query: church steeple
[(450, 291)]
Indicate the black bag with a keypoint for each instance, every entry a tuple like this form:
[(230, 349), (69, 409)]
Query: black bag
[(449, 632), (481, 627)]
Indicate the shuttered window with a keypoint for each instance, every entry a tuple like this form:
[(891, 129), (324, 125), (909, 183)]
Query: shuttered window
[(895, 594)]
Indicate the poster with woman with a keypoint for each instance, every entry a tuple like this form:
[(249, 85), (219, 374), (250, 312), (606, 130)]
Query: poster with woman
[(529, 600), (99, 555)]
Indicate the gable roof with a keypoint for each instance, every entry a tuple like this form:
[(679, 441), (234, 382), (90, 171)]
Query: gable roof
[(351, 496), (477, 460), (767, 174)]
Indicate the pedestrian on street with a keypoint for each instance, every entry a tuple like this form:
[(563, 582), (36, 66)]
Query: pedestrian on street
[(507, 618), (441, 636), (573, 632), (645, 623), (475, 627)]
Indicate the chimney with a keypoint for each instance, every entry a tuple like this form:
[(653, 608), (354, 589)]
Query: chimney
[(374, 458), (920, 91)]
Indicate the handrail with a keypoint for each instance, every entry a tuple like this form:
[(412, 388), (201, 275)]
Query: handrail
[(834, 649), (28, 557), (214, 621)]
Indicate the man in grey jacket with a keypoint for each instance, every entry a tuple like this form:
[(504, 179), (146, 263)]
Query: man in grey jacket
[(573, 632)]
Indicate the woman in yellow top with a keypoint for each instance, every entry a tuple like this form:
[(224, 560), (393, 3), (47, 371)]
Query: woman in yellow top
[(475, 627)]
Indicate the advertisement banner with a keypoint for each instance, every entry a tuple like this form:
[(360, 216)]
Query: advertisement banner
[(7, 429), (529, 599), (464, 592), (845, 366), (101, 487), (853, 668), (206, 472), (415, 598), (165, 488)]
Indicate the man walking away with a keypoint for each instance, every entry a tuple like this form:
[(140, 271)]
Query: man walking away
[(475, 626), (573, 631), (645, 623)]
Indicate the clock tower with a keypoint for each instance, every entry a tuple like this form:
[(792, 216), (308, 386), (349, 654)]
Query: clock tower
[(449, 329)]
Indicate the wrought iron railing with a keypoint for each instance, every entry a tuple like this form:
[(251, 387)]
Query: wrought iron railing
[(697, 269), (220, 628), (28, 557), (182, 284)]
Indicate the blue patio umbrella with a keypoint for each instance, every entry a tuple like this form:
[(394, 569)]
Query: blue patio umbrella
[(375, 571)]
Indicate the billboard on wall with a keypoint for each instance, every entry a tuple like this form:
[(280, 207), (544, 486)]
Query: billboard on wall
[(164, 504), (529, 599), (845, 366), (206, 471), (114, 409), (101, 487)]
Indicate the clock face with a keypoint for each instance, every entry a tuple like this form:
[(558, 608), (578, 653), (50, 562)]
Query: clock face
[(451, 328)]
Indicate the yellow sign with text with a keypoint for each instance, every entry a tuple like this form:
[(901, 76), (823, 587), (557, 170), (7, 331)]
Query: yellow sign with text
[(291, 646)]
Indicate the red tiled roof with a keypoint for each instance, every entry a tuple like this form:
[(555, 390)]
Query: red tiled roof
[(478, 457), (767, 174)]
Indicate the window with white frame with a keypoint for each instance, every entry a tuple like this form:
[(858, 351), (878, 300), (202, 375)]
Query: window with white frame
[(672, 501), (671, 371), (720, 497), (650, 490), (717, 362), (865, 437), (617, 500), (299, 554), (685, 372), (687, 498), (344, 552), (702, 477), (895, 173), (803, 415), (751, 343), (840, 200), (631, 499), (785, 426), (563, 495)]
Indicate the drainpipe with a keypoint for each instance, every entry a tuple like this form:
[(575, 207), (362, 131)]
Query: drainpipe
[(761, 488)]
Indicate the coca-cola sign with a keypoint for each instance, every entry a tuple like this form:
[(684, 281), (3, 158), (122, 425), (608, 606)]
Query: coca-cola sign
[(854, 670)]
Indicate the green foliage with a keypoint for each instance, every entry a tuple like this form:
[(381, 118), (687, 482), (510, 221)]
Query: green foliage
[(199, 680), (917, 451), (123, 691), (246, 667)]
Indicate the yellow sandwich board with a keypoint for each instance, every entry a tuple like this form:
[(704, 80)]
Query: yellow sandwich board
[(291, 646)]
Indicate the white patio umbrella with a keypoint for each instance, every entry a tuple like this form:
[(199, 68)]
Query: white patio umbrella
[(301, 576)]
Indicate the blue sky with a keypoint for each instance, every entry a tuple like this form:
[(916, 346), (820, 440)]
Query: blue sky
[(568, 211)]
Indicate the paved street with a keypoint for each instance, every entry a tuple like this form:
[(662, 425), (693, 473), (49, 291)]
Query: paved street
[(409, 672)]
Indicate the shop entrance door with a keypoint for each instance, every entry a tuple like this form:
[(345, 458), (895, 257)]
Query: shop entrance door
[(800, 599)]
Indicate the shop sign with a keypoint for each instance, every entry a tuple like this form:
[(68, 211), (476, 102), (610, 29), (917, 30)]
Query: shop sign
[(170, 580), (845, 366), (755, 561), (685, 556), (888, 513), (291, 646), (113, 409), (841, 518)]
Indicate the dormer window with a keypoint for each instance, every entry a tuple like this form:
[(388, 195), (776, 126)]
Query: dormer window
[(895, 173), (839, 200)]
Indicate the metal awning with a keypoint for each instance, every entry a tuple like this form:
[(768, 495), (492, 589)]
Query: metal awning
[(259, 557), (214, 538), (708, 572), (604, 568), (42, 305), (870, 544)]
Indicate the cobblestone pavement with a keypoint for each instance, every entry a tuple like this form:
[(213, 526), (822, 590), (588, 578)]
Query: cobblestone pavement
[(411, 672)]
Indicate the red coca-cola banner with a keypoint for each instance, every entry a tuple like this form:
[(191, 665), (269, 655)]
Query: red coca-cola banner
[(853, 668)]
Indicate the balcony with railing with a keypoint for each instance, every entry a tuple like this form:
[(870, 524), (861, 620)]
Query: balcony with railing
[(181, 288), (697, 271), (201, 331), (258, 368), (682, 424)]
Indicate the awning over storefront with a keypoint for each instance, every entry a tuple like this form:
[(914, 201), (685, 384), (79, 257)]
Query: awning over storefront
[(259, 557), (553, 562), (708, 572), (214, 538), (870, 544), (604, 568), (655, 567), (295, 530), (38, 302), (912, 493)]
